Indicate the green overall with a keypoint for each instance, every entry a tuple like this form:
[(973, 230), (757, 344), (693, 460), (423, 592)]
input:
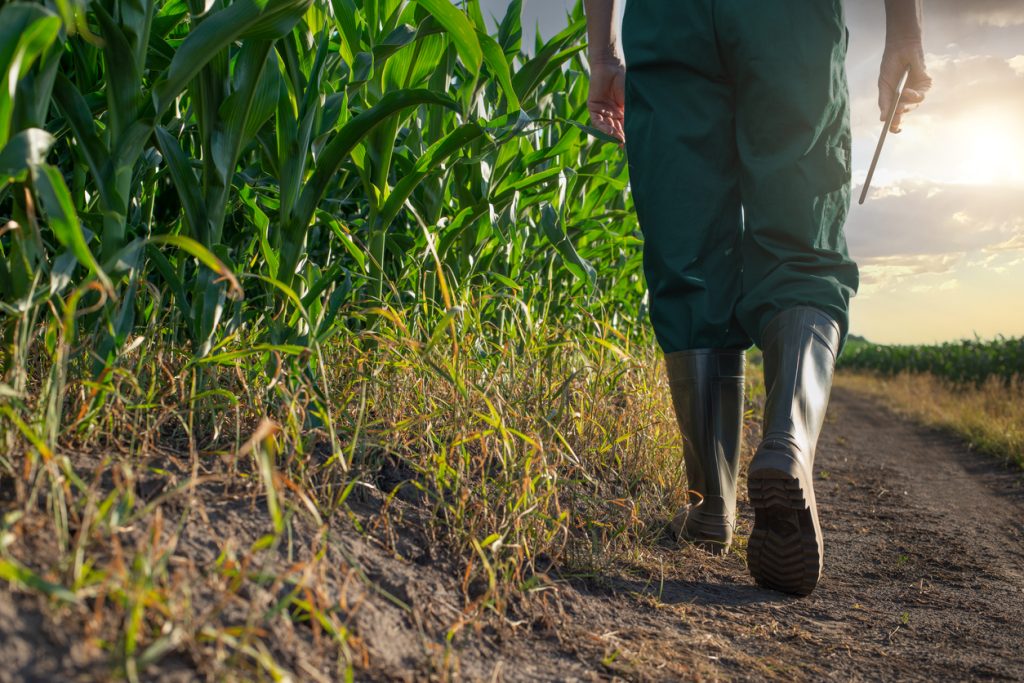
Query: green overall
[(738, 140)]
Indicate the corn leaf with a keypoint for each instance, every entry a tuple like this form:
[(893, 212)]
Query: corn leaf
[(63, 220), (265, 20), (460, 29), (26, 30), (350, 135), (23, 152)]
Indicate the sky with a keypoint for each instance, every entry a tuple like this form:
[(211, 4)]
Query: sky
[(940, 241)]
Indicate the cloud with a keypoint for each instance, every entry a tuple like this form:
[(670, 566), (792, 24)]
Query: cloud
[(917, 236), (916, 218), (1015, 243), (945, 286), (885, 273), (964, 78), (920, 264), (999, 13), (1000, 18)]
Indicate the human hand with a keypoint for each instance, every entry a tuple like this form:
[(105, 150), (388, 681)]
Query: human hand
[(607, 97), (897, 58)]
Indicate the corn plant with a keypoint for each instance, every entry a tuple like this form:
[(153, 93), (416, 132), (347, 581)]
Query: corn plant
[(46, 238), (352, 124), (300, 169), (968, 362)]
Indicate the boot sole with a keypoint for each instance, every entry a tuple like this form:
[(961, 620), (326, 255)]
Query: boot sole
[(785, 548)]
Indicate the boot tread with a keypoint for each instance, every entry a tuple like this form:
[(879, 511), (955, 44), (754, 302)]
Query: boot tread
[(789, 562)]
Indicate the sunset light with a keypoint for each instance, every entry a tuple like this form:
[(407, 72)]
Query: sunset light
[(990, 149), (940, 242)]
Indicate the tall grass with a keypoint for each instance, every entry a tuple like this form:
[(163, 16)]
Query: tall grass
[(971, 387), (512, 459)]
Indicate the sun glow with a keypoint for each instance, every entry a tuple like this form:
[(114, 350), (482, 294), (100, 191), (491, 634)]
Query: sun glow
[(991, 150)]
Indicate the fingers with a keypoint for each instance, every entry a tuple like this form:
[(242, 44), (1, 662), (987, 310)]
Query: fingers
[(608, 120), (897, 123), (919, 80), (888, 82), (909, 101), (914, 93), (911, 96), (608, 125), (616, 129), (607, 101)]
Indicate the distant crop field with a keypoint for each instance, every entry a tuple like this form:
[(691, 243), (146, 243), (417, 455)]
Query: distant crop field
[(965, 362)]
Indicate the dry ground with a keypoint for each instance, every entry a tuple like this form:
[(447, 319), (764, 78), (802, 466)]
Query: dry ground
[(924, 581)]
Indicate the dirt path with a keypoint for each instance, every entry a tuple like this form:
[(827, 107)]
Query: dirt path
[(924, 562)]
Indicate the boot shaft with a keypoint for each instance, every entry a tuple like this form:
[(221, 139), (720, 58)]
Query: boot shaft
[(707, 394), (800, 347)]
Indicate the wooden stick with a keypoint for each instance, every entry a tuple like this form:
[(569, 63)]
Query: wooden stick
[(885, 131)]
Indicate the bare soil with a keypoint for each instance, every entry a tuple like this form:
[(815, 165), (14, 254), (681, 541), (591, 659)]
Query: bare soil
[(924, 574), (924, 553)]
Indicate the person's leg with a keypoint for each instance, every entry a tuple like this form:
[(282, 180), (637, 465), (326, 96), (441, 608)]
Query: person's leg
[(793, 137), (793, 131), (684, 174)]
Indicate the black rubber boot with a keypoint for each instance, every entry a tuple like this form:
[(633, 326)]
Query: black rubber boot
[(707, 392), (786, 550)]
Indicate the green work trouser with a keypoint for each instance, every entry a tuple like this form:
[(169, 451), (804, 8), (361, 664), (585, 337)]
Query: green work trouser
[(738, 140)]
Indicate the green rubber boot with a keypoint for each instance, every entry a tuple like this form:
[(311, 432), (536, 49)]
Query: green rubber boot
[(785, 552), (707, 392)]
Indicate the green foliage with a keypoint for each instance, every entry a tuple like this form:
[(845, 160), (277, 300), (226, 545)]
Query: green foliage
[(964, 362), (353, 153), (296, 170)]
